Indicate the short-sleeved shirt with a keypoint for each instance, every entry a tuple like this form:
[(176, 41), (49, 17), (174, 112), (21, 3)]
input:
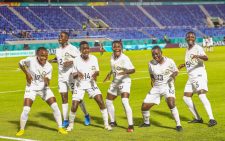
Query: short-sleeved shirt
[(87, 68), (68, 53), (162, 72), (194, 66), (37, 71), (118, 65)]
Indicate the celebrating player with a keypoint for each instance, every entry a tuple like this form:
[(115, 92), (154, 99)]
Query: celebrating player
[(121, 68), (38, 74), (65, 56), (86, 70), (162, 71), (197, 79)]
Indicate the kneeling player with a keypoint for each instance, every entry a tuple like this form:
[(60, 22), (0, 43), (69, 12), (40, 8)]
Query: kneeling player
[(163, 72), (86, 70), (38, 74)]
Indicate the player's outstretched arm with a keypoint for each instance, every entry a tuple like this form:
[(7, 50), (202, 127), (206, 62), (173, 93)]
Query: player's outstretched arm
[(28, 76), (53, 60), (108, 76), (181, 66)]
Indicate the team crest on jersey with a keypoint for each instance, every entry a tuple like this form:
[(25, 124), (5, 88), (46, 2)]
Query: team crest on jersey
[(93, 68), (67, 56), (43, 73), (167, 71), (193, 60)]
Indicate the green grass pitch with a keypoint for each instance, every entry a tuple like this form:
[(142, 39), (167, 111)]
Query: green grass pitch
[(41, 124)]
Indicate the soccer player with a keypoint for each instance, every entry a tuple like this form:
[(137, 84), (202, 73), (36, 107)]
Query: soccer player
[(162, 71), (210, 44), (38, 74), (121, 68), (65, 56), (197, 79), (86, 70)]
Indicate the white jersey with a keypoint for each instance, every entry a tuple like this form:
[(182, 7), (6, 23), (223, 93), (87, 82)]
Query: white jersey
[(37, 72), (87, 68), (194, 66), (162, 72), (119, 65), (68, 53)]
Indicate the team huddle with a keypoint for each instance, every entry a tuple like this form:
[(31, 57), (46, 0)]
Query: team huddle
[(78, 72)]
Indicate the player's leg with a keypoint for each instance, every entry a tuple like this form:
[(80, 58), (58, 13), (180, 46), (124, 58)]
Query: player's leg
[(76, 98), (188, 93), (98, 98), (87, 120), (110, 107), (207, 106), (111, 96), (152, 98), (29, 97), (171, 104), (63, 90), (51, 101), (24, 115), (128, 111), (82, 104)]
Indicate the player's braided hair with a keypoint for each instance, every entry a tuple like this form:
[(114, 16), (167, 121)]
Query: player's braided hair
[(41, 48), (66, 33), (118, 41), (157, 47), (83, 43), (190, 32)]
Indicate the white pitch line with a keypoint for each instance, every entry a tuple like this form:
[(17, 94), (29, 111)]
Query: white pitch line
[(17, 139), (97, 82)]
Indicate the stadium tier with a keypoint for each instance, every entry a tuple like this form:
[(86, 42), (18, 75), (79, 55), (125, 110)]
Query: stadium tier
[(123, 21)]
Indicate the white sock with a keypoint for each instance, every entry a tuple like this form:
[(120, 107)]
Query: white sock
[(24, 117), (83, 107), (111, 110), (146, 116), (175, 114), (128, 110), (57, 114), (207, 105), (65, 111), (191, 106), (72, 116), (105, 116)]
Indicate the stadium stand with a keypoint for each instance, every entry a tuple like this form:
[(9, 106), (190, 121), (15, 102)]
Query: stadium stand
[(125, 22)]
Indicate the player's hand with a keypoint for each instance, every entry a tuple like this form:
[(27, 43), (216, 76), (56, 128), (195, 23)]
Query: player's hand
[(195, 56), (181, 66), (67, 63), (46, 81), (94, 76), (124, 72), (80, 75), (107, 77), (29, 78)]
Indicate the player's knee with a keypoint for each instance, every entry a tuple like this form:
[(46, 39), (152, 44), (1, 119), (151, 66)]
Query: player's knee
[(64, 97)]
